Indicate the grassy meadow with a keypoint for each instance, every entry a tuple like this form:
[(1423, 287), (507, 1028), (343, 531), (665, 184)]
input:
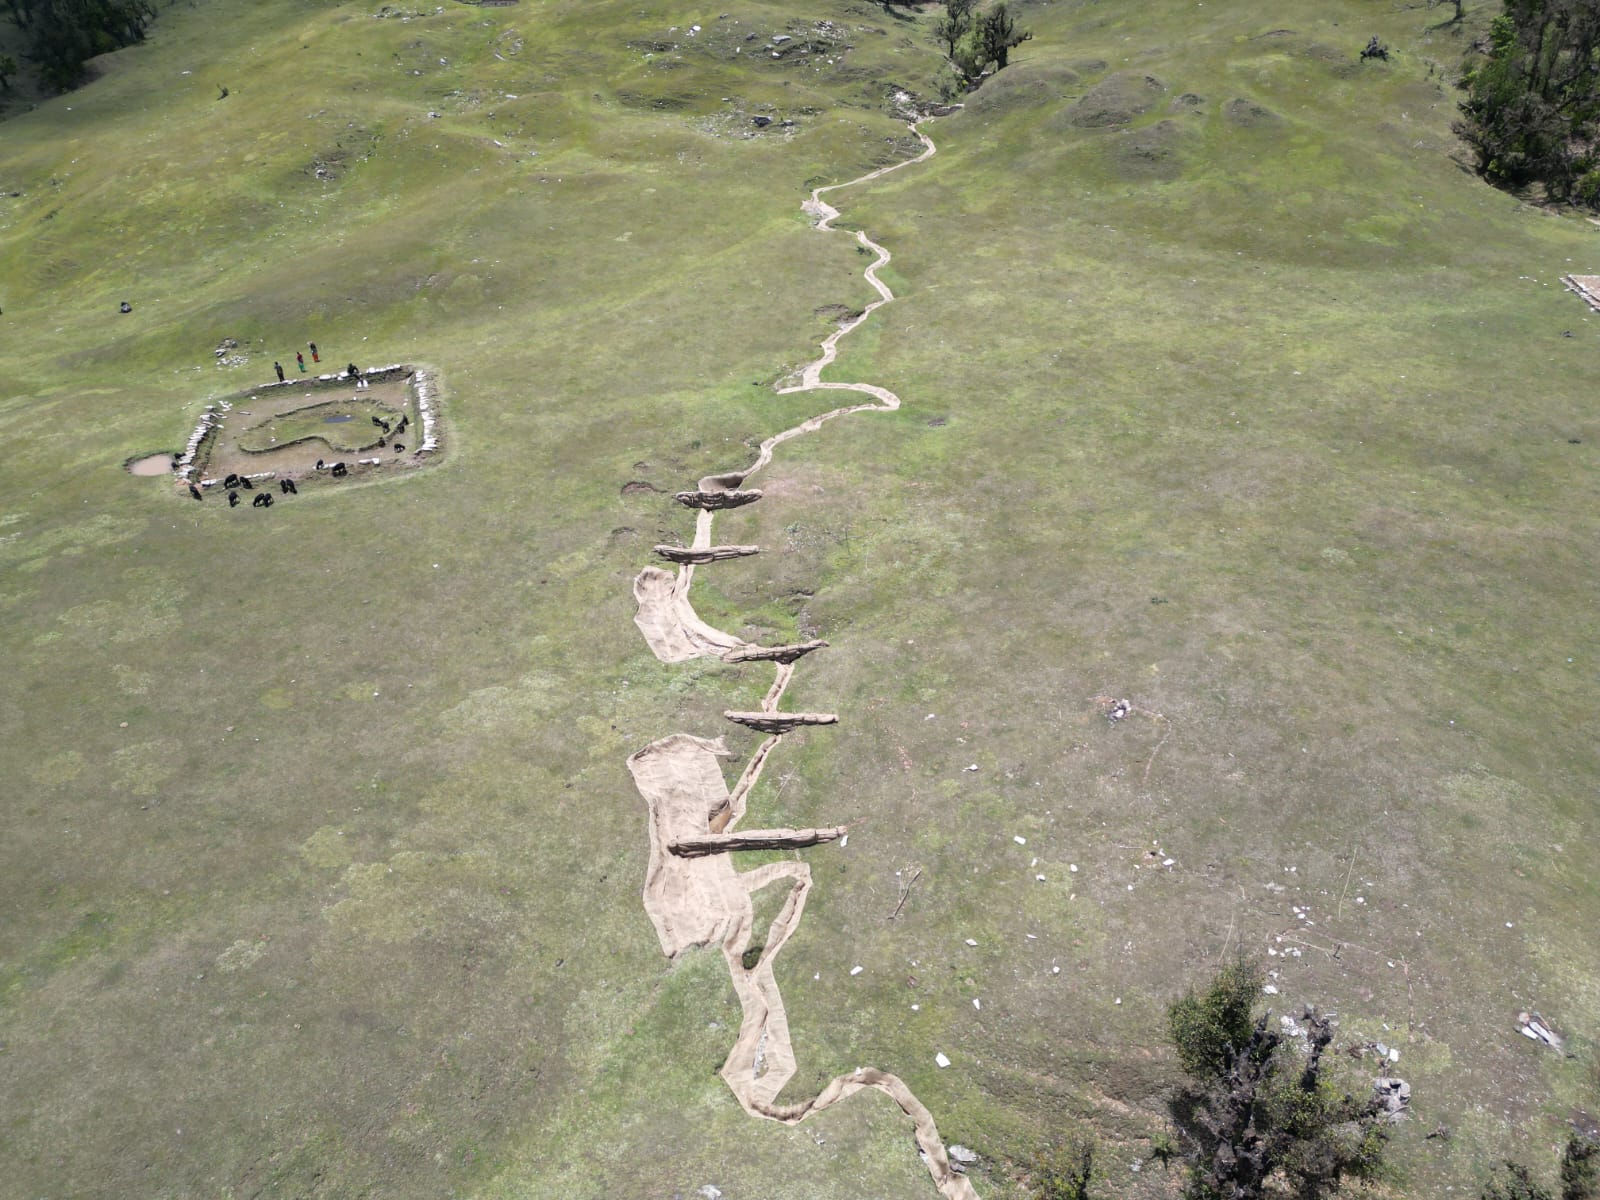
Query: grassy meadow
[(1226, 391)]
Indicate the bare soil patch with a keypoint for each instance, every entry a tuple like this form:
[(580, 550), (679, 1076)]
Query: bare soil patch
[(151, 465)]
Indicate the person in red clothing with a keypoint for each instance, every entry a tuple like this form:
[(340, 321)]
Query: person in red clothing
[(315, 357), (300, 360)]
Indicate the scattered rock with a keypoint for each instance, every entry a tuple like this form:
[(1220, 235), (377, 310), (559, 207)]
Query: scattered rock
[(1394, 1095), (1533, 1026), (941, 1060), (961, 1154)]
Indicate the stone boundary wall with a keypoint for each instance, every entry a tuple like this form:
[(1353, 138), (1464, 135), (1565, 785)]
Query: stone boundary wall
[(423, 385)]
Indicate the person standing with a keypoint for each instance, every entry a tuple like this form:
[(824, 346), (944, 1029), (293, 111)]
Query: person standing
[(300, 361), (315, 357), (278, 367)]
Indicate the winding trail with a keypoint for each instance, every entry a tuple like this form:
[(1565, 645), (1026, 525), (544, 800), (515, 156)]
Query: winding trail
[(692, 892)]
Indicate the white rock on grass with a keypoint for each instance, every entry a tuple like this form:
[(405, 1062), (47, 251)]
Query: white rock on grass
[(941, 1060)]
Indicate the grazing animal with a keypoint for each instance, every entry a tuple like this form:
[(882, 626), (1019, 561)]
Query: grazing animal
[(319, 464), (377, 421), (285, 486), (340, 470), (245, 483), (231, 481), (262, 501), (233, 499), (404, 421), (399, 446), (194, 491)]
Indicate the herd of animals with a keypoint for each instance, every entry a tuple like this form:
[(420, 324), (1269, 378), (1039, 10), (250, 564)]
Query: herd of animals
[(235, 483)]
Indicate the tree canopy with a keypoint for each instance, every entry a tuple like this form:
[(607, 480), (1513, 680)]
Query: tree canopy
[(65, 34), (1259, 1115), (1532, 112)]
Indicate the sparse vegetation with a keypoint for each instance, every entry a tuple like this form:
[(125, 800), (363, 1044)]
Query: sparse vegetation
[(1065, 1172), (1579, 1175)]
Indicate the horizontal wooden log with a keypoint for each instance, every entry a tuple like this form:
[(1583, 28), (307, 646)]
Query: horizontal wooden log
[(687, 554), (711, 501), (782, 654), (770, 722), (754, 839)]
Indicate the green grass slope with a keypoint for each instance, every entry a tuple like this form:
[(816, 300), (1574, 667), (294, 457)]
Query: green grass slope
[(1226, 390)]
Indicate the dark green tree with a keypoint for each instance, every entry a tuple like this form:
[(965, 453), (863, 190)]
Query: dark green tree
[(1207, 1027), (1580, 1168), (1580, 1175), (954, 25), (68, 33), (1258, 1116), (1532, 112), (1513, 1182), (998, 35)]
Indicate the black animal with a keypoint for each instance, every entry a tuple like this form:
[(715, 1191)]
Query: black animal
[(319, 464), (233, 499), (262, 501), (286, 486), (404, 421), (1375, 49), (231, 481), (194, 491), (340, 470), (245, 483), (399, 446), (377, 421), (355, 371), (382, 442)]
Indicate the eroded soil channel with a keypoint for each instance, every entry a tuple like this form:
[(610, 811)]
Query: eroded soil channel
[(692, 892)]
